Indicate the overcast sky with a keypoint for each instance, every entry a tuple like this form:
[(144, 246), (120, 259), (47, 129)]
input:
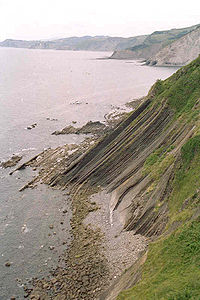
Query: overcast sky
[(43, 19)]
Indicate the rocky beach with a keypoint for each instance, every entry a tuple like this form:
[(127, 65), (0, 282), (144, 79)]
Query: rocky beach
[(100, 251)]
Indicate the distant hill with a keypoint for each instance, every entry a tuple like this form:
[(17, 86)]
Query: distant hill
[(152, 44), (168, 47), (96, 43), (180, 52)]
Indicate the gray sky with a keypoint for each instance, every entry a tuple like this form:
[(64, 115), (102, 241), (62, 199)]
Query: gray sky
[(43, 19)]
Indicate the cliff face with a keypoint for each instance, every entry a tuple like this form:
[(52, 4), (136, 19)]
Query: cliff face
[(153, 43), (180, 52), (141, 52), (150, 165), (122, 161)]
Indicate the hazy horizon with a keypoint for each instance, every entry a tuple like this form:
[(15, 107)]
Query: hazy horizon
[(50, 19), (99, 35)]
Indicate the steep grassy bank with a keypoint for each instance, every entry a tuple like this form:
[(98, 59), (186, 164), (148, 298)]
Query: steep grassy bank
[(172, 269)]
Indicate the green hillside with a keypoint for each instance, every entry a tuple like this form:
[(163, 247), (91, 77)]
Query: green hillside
[(172, 268), (153, 43)]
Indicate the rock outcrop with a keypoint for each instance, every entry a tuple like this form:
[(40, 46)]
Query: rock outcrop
[(117, 162), (152, 44), (11, 162), (97, 128), (180, 52)]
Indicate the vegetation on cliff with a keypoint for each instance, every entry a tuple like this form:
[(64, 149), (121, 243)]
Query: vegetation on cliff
[(171, 270), (180, 52), (175, 47), (150, 164)]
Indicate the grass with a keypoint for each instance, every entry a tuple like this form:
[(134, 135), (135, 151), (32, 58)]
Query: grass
[(187, 177), (189, 150), (172, 268), (158, 162), (182, 89), (162, 37)]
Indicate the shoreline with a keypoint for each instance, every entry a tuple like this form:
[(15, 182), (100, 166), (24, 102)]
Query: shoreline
[(98, 254), (89, 239)]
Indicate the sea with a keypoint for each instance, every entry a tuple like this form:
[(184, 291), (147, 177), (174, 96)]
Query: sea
[(51, 89)]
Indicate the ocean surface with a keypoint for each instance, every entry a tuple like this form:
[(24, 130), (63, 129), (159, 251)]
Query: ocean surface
[(51, 89)]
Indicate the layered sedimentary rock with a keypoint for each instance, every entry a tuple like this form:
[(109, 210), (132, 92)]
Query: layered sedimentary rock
[(118, 161), (158, 40), (180, 52)]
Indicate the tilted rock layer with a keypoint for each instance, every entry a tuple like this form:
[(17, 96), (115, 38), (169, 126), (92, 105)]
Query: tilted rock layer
[(180, 52)]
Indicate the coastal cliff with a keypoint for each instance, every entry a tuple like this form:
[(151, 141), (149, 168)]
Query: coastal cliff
[(148, 165), (138, 159), (175, 46), (180, 52)]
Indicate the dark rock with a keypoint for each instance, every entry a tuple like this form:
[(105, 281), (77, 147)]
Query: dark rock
[(89, 128), (31, 126), (11, 162), (67, 130)]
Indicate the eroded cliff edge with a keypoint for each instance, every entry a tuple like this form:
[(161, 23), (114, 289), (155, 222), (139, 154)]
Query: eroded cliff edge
[(149, 164)]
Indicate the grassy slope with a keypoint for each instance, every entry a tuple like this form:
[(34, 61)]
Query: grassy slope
[(163, 37), (172, 269)]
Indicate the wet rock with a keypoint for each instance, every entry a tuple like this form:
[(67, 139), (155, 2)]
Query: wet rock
[(92, 127), (11, 162), (76, 102), (67, 130), (51, 119), (89, 128), (31, 126)]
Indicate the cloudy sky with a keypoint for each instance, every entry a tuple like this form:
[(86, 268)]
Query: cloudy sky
[(43, 19)]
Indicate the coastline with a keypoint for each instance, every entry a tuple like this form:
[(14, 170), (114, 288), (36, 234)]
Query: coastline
[(90, 265)]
